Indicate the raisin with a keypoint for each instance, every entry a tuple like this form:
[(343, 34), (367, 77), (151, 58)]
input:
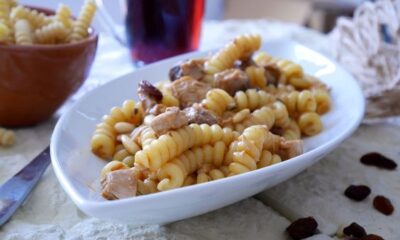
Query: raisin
[(383, 205), (354, 230), (357, 192), (302, 228), (175, 72), (272, 74), (378, 160), (148, 90), (372, 237)]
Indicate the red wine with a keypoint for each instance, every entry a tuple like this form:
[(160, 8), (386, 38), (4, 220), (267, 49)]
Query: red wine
[(158, 29)]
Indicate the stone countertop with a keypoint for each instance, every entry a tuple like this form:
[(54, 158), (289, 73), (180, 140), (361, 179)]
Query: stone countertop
[(48, 213)]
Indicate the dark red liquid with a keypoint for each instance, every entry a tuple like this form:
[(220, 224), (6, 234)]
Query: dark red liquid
[(158, 29)]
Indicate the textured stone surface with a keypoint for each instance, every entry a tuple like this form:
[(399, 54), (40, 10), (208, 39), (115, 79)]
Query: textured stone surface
[(318, 191)]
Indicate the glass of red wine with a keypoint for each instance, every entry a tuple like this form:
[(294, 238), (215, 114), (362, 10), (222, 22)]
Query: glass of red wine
[(158, 29)]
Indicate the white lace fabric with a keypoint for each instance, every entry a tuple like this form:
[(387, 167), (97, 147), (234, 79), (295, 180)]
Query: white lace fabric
[(368, 45)]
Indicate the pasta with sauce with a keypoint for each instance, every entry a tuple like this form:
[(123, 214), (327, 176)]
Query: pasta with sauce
[(240, 112)]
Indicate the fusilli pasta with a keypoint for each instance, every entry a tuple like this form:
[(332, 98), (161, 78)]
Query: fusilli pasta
[(263, 116), (173, 174), (7, 137), (217, 100), (53, 33), (292, 132), (63, 15), (299, 102), (256, 76), (248, 150), (4, 11), (310, 123), (252, 99), (323, 100), (281, 114), (174, 143), (268, 159), (241, 47), (23, 32), (104, 138), (81, 25), (5, 33), (35, 18)]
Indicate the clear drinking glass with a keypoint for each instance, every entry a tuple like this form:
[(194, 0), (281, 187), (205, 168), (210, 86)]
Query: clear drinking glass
[(158, 29)]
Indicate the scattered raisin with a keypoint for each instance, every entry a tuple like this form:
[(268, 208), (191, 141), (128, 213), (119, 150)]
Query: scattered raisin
[(302, 228), (372, 237), (357, 192), (383, 205), (378, 160), (354, 230)]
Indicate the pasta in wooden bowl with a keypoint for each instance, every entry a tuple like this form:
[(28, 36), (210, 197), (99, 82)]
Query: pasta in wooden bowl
[(228, 114), (44, 57)]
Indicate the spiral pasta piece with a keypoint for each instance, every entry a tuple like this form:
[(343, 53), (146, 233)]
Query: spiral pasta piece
[(35, 18), (7, 137), (310, 123), (63, 15), (130, 145), (168, 98), (147, 186), (323, 101), (104, 137), (263, 116), (299, 102), (124, 127), (82, 24), (23, 32), (217, 100), (252, 99), (5, 33), (292, 132), (120, 154), (262, 59), (248, 150), (147, 136), (53, 33), (241, 47), (173, 174), (256, 76), (281, 114), (174, 143), (13, 3), (4, 9), (272, 142), (189, 180), (292, 71), (279, 90), (267, 159)]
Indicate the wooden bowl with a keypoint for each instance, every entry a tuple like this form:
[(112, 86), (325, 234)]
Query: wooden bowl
[(35, 80)]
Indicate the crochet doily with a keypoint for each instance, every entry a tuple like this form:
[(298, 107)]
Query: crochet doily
[(368, 45)]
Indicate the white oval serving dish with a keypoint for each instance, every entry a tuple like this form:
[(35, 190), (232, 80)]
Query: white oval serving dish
[(78, 169)]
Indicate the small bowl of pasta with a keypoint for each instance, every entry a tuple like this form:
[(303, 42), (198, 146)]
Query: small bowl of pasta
[(197, 132), (45, 56)]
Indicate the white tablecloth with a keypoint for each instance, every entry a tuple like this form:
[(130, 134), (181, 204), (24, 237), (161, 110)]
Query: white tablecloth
[(48, 213)]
